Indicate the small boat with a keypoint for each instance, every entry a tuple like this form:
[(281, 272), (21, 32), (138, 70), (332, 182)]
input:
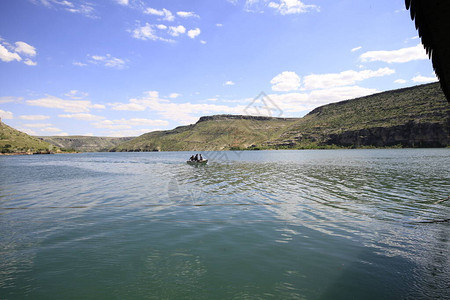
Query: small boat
[(197, 162)]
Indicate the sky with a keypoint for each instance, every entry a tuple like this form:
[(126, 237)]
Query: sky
[(127, 67)]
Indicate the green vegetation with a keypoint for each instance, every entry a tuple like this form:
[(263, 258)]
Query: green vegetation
[(15, 141), (410, 117)]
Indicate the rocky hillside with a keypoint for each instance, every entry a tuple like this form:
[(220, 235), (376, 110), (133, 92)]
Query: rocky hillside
[(15, 141), (412, 117), (85, 143)]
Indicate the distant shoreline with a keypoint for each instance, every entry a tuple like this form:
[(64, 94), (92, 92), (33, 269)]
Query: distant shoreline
[(35, 153)]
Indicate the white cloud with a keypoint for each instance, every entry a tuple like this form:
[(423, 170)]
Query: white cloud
[(356, 49), (219, 25), (286, 7), (148, 32), (321, 81), (155, 12), (7, 99), (229, 82), (129, 123), (128, 106), (143, 122), (293, 103), (165, 13), (29, 62), (71, 106), (203, 42), (79, 64), (396, 56), (174, 95), (123, 2), (82, 116), (75, 94), (424, 79), (176, 31), (7, 56), (108, 61), (37, 125), (34, 117), (131, 132), (187, 14), (7, 115), (83, 8), (62, 134), (285, 82), (183, 113), (24, 48), (50, 130), (193, 33), (108, 124), (400, 81)]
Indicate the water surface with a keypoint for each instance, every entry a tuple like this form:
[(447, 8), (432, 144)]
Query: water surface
[(322, 224)]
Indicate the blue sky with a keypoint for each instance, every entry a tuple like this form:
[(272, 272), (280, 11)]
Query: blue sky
[(126, 67)]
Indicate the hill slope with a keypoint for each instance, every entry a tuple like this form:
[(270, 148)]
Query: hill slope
[(412, 117), (15, 141), (85, 143)]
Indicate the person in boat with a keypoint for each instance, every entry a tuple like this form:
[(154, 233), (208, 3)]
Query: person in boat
[(196, 157), (200, 157), (192, 158)]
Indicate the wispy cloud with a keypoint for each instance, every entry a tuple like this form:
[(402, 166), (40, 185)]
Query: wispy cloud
[(34, 117), (350, 77), (107, 60), (287, 7), (6, 99), (77, 6), (75, 94), (82, 116), (71, 106)]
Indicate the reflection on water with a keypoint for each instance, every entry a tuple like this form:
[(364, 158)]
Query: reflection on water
[(266, 224)]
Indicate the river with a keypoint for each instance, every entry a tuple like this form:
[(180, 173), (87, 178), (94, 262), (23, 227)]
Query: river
[(319, 224)]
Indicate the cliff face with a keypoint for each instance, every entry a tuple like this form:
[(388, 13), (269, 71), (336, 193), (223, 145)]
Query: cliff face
[(409, 135), (240, 117)]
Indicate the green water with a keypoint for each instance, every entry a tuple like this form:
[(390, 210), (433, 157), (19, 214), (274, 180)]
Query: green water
[(322, 224)]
